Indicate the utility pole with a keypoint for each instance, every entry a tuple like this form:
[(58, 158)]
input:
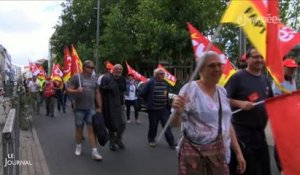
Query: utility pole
[(97, 38)]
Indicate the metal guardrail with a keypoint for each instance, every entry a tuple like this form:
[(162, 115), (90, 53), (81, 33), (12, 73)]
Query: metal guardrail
[(9, 145)]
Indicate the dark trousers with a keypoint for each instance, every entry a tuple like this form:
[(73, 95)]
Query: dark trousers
[(135, 105), (257, 159), (50, 105), (161, 116), (60, 101)]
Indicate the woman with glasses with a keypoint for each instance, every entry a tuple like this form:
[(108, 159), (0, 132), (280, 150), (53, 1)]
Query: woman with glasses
[(203, 111)]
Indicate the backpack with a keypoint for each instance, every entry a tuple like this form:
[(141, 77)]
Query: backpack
[(49, 90)]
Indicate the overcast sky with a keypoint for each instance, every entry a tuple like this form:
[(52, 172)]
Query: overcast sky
[(25, 28)]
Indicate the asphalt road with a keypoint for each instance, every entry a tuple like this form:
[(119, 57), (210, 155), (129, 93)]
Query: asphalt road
[(56, 136)]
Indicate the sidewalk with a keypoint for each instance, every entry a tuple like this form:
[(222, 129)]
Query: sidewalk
[(31, 150)]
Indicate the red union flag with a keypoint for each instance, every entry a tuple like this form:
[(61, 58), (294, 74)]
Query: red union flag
[(42, 74), (171, 79), (76, 66), (34, 69), (67, 65), (109, 66), (56, 72), (200, 44), (283, 112), (136, 75)]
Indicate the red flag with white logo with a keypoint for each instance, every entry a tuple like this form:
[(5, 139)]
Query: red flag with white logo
[(67, 65), (200, 43), (136, 75)]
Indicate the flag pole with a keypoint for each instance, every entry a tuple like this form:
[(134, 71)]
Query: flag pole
[(190, 80), (254, 104), (78, 74)]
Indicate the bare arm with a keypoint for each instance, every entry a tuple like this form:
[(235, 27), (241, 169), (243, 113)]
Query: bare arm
[(237, 150), (245, 105), (178, 106), (98, 100)]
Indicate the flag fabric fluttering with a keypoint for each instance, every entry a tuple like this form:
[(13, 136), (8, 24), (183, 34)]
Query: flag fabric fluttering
[(56, 72), (67, 65), (76, 66), (273, 52), (170, 79), (200, 43), (255, 19), (42, 74), (34, 68), (283, 113), (136, 75), (109, 66)]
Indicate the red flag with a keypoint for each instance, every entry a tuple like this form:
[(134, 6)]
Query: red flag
[(283, 112), (274, 55), (76, 66), (171, 79), (67, 65), (199, 45), (34, 69), (42, 74), (109, 66), (136, 75), (56, 72)]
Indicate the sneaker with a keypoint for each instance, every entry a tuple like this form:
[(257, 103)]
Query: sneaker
[(96, 156), (128, 121), (78, 150), (152, 144)]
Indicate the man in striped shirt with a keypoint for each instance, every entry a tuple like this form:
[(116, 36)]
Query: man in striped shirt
[(155, 94)]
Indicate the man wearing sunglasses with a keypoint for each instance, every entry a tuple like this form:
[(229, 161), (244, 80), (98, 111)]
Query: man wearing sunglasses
[(245, 88), (84, 88)]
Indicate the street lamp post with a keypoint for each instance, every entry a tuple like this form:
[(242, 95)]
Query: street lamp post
[(97, 37)]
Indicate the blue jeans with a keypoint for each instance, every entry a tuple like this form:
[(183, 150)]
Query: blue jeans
[(83, 115)]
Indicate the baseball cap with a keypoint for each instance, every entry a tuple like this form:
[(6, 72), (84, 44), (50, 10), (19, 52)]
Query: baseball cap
[(290, 63)]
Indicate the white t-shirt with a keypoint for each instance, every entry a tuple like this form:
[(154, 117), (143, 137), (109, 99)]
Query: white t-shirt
[(131, 93), (200, 121), (33, 86)]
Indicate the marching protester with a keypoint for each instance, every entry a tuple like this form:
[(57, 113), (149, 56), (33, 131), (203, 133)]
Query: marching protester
[(42, 83), (131, 98), (244, 88), (155, 94), (84, 89), (203, 111), (33, 88), (113, 86), (289, 66), (60, 88), (49, 95)]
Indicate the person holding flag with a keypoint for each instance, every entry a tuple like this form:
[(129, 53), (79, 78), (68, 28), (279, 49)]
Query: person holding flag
[(87, 98), (202, 109), (155, 93), (244, 88)]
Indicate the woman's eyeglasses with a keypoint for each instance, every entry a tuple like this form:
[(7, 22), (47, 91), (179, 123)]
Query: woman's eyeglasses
[(214, 65)]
